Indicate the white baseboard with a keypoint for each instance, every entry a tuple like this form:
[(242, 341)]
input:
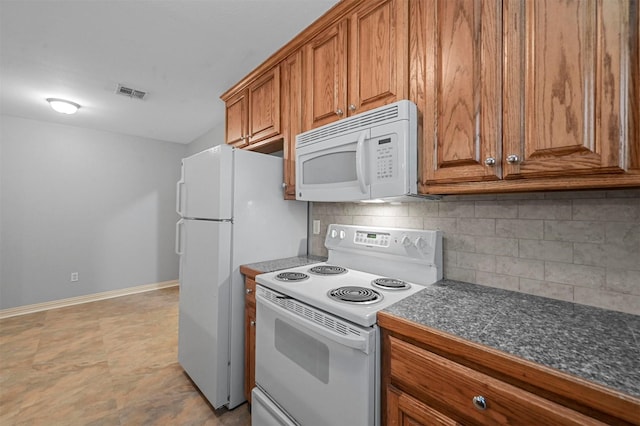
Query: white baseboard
[(29, 309)]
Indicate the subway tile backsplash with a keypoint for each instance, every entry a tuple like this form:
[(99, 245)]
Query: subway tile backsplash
[(580, 246)]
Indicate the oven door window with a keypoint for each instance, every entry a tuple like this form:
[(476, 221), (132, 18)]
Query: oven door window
[(317, 380), (308, 353)]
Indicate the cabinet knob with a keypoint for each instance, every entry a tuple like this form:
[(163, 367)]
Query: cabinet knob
[(284, 185), (490, 161), (339, 112), (479, 402), (248, 291), (513, 159), (253, 323), (352, 107)]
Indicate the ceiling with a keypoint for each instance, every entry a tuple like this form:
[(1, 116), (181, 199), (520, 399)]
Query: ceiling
[(183, 53)]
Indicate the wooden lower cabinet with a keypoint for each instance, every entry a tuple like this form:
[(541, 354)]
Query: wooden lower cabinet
[(405, 410), (431, 378), (249, 337)]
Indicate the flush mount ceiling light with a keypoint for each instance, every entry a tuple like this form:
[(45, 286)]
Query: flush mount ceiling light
[(63, 106)]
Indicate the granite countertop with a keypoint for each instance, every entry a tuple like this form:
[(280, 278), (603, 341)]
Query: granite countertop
[(286, 263), (592, 343)]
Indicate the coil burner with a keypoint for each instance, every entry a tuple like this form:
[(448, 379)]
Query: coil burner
[(327, 270), (292, 276), (361, 295), (390, 284)]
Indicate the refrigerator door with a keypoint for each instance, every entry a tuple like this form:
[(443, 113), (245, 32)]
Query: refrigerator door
[(265, 226), (205, 188), (204, 314)]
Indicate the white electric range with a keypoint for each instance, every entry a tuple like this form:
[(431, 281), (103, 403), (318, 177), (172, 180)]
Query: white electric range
[(317, 342)]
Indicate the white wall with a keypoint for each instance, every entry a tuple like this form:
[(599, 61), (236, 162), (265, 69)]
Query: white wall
[(212, 138), (79, 200)]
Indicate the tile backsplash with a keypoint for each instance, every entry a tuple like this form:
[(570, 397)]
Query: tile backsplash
[(577, 246)]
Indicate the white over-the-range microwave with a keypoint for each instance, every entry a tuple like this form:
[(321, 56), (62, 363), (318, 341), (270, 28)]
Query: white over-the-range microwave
[(369, 156)]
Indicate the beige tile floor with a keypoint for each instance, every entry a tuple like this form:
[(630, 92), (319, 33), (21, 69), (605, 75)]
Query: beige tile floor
[(111, 362)]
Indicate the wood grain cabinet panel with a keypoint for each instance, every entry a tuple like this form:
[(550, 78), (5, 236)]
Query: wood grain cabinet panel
[(291, 118), (357, 64), (249, 337), (523, 95), (325, 77), (253, 112), (458, 53), (566, 98), (236, 120), (455, 390)]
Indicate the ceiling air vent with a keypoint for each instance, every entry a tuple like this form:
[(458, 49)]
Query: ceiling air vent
[(132, 93)]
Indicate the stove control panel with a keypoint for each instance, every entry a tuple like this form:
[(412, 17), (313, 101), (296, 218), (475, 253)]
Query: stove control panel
[(413, 255), (379, 239)]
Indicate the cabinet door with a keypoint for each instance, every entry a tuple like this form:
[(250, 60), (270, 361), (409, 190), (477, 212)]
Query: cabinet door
[(236, 120), (378, 45), (264, 106), (566, 97), (455, 56), (249, 338), (403, 410), (325, 77), (291, 118)]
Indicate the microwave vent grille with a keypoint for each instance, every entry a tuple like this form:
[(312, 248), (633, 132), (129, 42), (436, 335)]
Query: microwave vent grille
[(364, 120)]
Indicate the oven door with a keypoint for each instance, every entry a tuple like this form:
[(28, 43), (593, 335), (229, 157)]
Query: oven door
[(320, 369), (334, 169)]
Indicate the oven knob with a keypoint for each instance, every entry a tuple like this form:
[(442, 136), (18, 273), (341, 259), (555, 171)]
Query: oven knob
[(334, 233), (342, 235), (420, 243), (406, 241)]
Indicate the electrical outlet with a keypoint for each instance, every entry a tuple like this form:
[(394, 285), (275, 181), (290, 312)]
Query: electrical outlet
[(316, 227), (74, 277)]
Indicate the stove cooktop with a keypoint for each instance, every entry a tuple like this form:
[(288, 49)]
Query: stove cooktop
[(315, 291)]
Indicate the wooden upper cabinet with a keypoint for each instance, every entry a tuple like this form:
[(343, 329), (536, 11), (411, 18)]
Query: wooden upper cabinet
[(456, 70), (325, 72), (378, 45), (357, 64), (236, 120), (253, 113), (264, 106), (291, 118), (566, 96)]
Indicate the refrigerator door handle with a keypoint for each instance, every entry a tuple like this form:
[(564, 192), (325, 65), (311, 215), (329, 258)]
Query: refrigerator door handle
[(179, 186), (179, 237)]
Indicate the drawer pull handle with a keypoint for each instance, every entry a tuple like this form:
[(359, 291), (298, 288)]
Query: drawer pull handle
[(479, 402)]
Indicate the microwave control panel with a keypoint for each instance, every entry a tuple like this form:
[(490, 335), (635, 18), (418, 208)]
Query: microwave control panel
[(385, 158)]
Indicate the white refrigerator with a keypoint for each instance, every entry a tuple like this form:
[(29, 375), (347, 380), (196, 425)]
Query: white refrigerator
[(232, 213)]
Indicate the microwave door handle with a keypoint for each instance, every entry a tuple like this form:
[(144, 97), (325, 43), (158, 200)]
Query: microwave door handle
[(360, 163)]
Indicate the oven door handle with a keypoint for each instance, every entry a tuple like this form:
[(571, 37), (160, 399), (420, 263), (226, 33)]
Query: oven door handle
[(360, 343)]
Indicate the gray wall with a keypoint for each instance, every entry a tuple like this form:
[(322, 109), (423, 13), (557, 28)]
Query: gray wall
[(576, 246), (79, 200)]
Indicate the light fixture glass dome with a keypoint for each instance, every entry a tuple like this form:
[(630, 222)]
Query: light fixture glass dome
[(63, 106)]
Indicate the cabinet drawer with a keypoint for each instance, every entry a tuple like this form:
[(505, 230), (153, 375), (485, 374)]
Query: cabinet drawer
[(451, 388)]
